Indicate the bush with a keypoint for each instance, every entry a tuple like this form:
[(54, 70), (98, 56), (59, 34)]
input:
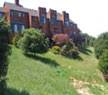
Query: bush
[(70, 50), (103, 62), (101, 44), (4, 51), (16, 39), (56, 50), (34, 41)]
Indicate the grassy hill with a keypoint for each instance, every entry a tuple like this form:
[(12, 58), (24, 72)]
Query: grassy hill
[(50, 74)]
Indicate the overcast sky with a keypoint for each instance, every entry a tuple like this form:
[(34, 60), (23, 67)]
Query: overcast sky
[(90, 15)]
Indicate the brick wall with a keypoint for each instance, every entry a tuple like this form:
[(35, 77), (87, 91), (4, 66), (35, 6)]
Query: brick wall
[(43, 27), (24, 19), (48, 28)]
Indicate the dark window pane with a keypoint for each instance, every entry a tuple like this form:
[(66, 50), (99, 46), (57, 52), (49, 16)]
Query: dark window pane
[(23, 14), (14, 27), (19, 14), (1, 15), (43, 19), (12, 13), (21, 28), (53, 20), (66, 22)]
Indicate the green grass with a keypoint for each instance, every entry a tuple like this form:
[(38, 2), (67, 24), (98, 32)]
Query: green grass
[(49, 74)]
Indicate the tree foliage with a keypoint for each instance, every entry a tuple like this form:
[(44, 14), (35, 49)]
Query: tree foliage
[(89, 40), (4, 51), (103, 62), (101, 44), (15, 40), (34, 41), (70, 50)]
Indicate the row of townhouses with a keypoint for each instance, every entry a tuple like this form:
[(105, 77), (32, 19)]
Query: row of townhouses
[(51, 22)]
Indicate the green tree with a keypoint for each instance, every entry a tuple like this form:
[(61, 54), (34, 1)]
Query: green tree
[(16, 39), (103, 62), (34, 41), (101, 44), (70, 50), (4, 51), (89, 40)]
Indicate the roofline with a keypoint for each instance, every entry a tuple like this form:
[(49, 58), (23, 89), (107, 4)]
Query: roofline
[(28, 11)]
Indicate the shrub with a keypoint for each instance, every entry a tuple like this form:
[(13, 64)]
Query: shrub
[(56, 50), (70, 50), (103, 62), (34, 41), (16, 39), (4, 51)]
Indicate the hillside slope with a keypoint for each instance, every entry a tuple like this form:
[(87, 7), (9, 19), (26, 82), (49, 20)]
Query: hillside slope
[(50, 74)]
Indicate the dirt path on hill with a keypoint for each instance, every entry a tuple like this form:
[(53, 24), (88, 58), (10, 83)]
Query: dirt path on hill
[(81, 89)]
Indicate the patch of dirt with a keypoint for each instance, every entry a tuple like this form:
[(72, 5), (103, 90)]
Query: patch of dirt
[(79, 85)]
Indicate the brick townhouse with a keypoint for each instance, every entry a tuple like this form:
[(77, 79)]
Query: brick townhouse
[(51, 22)]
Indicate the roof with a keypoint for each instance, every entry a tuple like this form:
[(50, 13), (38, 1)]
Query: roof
[(21, 9), (32, 12), (2, 10), (59, 16)]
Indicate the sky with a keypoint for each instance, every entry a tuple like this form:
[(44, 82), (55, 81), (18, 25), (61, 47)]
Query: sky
[(91, 16)]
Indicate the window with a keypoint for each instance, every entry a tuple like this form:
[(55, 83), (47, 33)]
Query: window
[(23, 14), (1, 15), (33, 19), (66, 22), (21, 28), (53, 20), (69, 34), (34, 27), (12, 13), (43, 19), (14, 27), (56, 31), (19, 14), (17, 22)]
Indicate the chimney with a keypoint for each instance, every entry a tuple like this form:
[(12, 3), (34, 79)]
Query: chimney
[(17, 2)]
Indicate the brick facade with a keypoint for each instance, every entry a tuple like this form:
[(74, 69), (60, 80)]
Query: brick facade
[(51, 22)]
